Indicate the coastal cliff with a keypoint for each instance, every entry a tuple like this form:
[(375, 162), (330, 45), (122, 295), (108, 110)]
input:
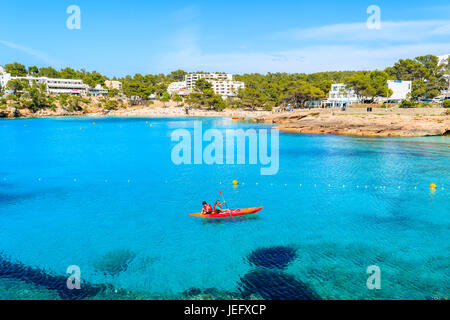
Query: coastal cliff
[(357, 122)]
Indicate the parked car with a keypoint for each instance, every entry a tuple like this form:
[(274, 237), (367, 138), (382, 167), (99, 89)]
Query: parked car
[(438, 100), (425, 100)]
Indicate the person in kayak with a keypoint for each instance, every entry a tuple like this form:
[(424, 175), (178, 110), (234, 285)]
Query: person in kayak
[(218, 208), (207, 209)]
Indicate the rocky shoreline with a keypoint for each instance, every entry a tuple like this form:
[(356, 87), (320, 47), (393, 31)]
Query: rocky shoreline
[(379, 123), (155, 110), (394, 122)]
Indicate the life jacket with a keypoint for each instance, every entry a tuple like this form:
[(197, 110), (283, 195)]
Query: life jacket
[(208, 208)]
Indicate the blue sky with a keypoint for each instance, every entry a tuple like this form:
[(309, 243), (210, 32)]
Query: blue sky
[(127, 37)]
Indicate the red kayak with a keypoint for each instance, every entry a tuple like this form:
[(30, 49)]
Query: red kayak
[(234, 213)]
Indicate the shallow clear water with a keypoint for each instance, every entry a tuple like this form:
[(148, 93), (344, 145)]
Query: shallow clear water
[(107, 197)]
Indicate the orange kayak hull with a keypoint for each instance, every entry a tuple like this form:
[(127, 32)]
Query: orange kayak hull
[(234, 213)]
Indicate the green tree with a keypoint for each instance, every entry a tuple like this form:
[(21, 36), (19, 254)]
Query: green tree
[(69, 73), (177, 75), (177, 99), (94, 78), (17, 86), (194, 99), (250, 98), (113, 93), (49, 72), (111, 105), (425, 73), (33, 70), (201, 85), (16, 69), (165, 98), (35, 97), (298, 92)]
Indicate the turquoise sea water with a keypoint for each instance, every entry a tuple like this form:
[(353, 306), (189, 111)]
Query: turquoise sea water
[(107, 197)]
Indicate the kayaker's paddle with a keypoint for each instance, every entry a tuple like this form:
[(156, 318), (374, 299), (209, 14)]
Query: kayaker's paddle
[(226, 204)]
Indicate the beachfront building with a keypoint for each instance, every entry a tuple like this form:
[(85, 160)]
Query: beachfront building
[(179, 88), (222, 84), (340, 95), (112, 84), (175, 87), (401, 90), (55, 86), (227, 88), (98, 91), (192, 78)]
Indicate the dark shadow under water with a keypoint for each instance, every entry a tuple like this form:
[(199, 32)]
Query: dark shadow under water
[(272, 257), (274, 285), (19, 271)]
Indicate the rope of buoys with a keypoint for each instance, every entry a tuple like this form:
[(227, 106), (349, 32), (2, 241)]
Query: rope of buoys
[(235, 183)]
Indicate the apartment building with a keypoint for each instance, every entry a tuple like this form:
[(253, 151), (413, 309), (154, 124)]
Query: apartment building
[(227, 88), (222, 84), (112, 84), (192, 78), (176, 87), (401, 90)]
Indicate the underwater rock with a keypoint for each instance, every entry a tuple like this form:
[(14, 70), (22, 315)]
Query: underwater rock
[(273, 257), (209, 294), (115, 262), (19, 271), (274, 285), (192, 292)]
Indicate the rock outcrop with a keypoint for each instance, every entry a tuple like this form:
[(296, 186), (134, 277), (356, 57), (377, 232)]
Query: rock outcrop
[(362, 124)]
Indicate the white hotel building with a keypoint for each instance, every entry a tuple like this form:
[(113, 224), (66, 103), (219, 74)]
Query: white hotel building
[(401, 90), (55, 86), (340, 95), (192, 78), (222, 84)]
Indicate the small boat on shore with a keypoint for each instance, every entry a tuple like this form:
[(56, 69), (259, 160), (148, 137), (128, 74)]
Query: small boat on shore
[(238, 118)]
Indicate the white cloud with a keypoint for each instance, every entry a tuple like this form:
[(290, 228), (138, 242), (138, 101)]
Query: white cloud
[(308, 60), (396, 32), (332, 47), (187, 13), (32, 52)]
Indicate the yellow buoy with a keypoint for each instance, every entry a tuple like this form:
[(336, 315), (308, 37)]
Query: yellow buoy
[(433, 186), (235, 182)]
